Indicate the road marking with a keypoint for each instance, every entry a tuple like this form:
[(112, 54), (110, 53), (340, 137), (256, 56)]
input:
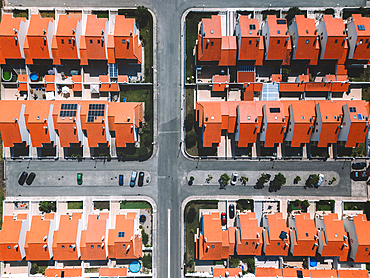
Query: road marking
[(169, 241)]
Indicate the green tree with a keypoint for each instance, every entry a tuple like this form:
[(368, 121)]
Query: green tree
[(360, 151), (285, 74), (189, 122), (191, 138), (224, 179), (34, 268), (297, 179), (147, 261), (279, 181), (142, 15), (292, 12), (190, 217), (263, 179), (250, 264), (234, 261), (45, 206), (244, 180), (312, 180), (145, 237)]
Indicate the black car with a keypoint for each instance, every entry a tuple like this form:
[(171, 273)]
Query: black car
[(359, 165), (30, 178), (231, 211), (22, 178), (141, 179)]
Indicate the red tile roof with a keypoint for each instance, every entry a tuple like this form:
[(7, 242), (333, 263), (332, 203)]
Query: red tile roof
[(63, 272), (226, 272), (304, 236), (249, 235), (274, 244), (9, 47)]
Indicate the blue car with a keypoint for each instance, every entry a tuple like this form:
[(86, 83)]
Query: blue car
[(120, 180), (133, 178)]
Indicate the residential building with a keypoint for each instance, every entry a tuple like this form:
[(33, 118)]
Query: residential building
[(322, 273), (66, 242), (66, 41), (248, 235), (112, 272), (333, 240), (353, 273), (274, 123), (227, 272), (39, 238), (213, 45), (268, 272), (210, 122), (12, 237), (250, 42), (355, 123), (124, 44), (63, 272), (12, 37), (333, 39), (301, 122), (213, 243), (296, 272), (39, 38), (278, 43), (305, 39), (124, 241), (357, 228), (327, 123), (275, 235), (358, 37), (94, 239), (94, 43), (303, 235), (220, 83)]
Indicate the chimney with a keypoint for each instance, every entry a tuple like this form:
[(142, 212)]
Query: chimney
[(102, 31), (15, 30), (16, 246), (44, 238), (43, 30), (128, 247), (102, 238), (73, 31), (102, 245)]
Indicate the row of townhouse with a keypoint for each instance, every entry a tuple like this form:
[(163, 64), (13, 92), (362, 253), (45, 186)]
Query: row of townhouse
[(45, 238), (296, 123), (65, 128), (69, 38), (326, 235), (304, 40)]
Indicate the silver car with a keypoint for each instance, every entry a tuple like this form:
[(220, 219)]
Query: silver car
[(321, 179), (234, 178), (133, 178)]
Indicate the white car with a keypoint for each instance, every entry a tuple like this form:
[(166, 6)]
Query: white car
[(321, 179), (234, 178)]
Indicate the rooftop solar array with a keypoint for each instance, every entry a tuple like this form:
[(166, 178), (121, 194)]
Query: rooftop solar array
[(68, 110), (270, 91), (95, 110)]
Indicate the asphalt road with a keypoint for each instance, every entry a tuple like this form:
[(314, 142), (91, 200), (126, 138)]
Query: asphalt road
[(168, 167)]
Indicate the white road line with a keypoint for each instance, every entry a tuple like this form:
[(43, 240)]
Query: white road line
[(169, 241)]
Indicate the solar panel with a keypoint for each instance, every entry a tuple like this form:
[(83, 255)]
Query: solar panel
[(361, 27), (68, 107), (95, 110), (68, 110), (281, 21), (67, 114)]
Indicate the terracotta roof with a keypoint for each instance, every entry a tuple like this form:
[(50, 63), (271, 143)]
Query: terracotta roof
[(268, 272), (226, 272), (304, 236), (334, 26), (65, 26), (38, 24), (249, 235), (294, 272), (123, 26), (362, 227), (9, 128), (37, 238), (275, 245), (323, 273), (113, 272), (228, 51), (63, 272), (212, 26), (221, 82), (352, 273)]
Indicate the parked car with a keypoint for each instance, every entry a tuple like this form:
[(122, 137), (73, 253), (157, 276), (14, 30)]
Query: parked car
[(141, 179), (234, 178), (30, 178), (79, 178), (120, 180), (360, 175), (223, 218), (359, 165), (22, 178), (231, 211), (133, 178), (321, 179)]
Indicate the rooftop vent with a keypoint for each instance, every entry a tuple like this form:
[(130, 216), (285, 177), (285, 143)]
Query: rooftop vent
[(102, 238), (73, 31), (44, 238), (43, 30), (15, 30), (102, 31)]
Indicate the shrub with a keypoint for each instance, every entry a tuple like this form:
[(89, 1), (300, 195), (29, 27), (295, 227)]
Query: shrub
[(224, 179), (191, 178), (147, 261), (244, 180), (312, 180), (143, 151), (263, 179), (189, 122), (147, 140), (297, 179), (334, 179), (47, 206), (145, 237), (190, 217), (292, 12), (191, 139), (250, 264), (234, 261)]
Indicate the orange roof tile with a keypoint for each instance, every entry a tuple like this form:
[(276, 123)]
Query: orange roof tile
[(9, 122), (275, 122), (113, 272), (226, 272), (249, 235), (10, 48), (267, 272), (63, 272), (37, 238), (275, 245), (220, 82), (279, 45), (94, 37), (294, 272), (352, 273), (323, 273), (304, 236), (228, 51)]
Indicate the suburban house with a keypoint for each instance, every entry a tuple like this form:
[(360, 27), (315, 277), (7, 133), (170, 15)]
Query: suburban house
[(67, 238), (39, 238), (250, 41), (39, 38), (275, 235), (333, 240), (305, 39), (358, 38), (278, 42), (357, 228), (248, 235)]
